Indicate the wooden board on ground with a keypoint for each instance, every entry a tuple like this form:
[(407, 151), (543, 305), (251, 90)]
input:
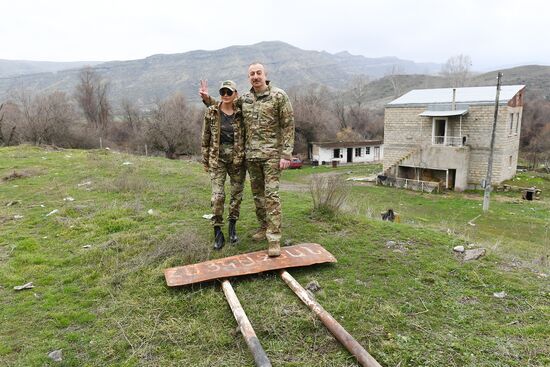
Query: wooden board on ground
[(303, 254)]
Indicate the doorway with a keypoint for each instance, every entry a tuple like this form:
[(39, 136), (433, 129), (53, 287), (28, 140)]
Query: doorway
[(376, 153), (451, 179), (439, 131)]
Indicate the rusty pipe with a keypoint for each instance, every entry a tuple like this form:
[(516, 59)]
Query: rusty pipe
[(260, 357), (363, 357)]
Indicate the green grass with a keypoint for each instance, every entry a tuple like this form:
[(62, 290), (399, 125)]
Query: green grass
[(530, 179), (412, 304)]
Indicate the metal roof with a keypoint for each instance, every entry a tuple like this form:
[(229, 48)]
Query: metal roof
[(471, 95), (431, 113)]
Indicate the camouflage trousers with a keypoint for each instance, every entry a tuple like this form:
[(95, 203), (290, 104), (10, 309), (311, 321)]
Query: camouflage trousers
[(264, 182), (218, 175)]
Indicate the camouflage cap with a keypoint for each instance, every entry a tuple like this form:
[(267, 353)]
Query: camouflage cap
[(229, 84)]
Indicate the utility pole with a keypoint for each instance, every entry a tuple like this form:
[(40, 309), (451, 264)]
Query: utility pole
[(487, 192)]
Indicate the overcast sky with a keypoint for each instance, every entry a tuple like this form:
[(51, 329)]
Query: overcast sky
[(492, 33)]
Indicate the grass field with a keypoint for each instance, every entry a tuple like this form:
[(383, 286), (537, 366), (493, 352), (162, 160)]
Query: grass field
[(99, 292)]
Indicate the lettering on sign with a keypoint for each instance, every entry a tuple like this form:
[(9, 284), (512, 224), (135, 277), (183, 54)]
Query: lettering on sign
[(255, 262)]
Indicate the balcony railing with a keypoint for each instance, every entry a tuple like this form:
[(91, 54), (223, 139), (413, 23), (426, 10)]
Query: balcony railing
[(451, 141)]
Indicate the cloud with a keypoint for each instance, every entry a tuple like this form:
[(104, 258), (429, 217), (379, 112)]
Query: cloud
[(491, 32)]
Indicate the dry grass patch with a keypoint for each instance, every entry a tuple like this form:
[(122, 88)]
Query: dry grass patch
[(128, 182), (24, 173), (179, 248)]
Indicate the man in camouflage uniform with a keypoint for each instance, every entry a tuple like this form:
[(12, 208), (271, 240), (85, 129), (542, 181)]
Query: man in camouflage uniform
[(269, 140), (222, 155)]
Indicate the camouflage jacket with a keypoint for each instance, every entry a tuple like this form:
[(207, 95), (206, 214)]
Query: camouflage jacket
[(268, 122), (211, 129)]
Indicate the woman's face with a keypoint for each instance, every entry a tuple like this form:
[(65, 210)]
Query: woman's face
[(226, 97)]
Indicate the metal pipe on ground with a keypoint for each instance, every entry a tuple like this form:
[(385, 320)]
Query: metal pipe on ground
[(260, 357), (303, 254), (348, 341)]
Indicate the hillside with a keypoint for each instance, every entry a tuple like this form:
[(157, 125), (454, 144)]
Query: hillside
[(94, 230), (155, 77), (535, 77), (13, 68), (148, 80)]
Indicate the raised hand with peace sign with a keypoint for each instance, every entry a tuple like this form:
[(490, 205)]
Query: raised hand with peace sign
[(203, 90)]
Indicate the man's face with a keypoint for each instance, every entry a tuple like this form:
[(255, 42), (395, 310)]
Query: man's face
[(257, 77)]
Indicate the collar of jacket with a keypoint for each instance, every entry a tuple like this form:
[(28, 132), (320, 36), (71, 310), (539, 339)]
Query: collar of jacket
[(236, 109)]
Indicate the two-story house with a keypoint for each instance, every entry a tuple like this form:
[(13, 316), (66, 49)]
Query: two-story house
[(443, 136)]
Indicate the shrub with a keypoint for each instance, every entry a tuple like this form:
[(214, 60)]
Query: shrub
[(328, 193)]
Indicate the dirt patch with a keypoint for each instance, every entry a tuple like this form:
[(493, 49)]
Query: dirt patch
[(5, 252), (292, 186), (18, 174), (467, 300)]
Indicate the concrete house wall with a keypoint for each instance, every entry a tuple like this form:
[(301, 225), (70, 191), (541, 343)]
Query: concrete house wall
[(408, 141), (324, 152)]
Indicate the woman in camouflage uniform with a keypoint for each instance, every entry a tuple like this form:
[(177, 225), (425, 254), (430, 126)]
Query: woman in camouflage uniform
[(223, 155)]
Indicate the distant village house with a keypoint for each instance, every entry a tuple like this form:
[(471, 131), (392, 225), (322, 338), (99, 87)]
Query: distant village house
[(442, 137), (344, 152)]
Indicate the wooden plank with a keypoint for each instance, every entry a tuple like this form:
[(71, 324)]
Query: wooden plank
[(303, 254)]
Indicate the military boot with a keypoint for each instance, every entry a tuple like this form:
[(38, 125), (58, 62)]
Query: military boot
[(219, 240), (274, 249), (259, 235), (233, 239)]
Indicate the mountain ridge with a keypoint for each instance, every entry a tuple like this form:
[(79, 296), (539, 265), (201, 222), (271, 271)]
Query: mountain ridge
[(148, 80), (157, 76)]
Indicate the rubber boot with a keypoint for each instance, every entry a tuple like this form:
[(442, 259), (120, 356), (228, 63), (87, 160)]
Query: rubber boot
[(274, 249), (219, 240), (233, 239)]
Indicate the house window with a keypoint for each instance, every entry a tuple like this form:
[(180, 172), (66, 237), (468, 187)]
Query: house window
[(367, 150), (517, 123), (358, 152), (511, 123), (336, 153)]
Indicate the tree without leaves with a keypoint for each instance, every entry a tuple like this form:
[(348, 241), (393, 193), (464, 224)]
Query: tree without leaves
[(312, 117), (358, 90), (354, 116), (131, 116), (338, 108), (10, 117), (128, 132), (535, 132), (457, 70), (44, 118), (174, 127), (92, 97), (394, 81)]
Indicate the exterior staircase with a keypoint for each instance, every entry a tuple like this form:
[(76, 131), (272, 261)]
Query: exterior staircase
[(392, 169)]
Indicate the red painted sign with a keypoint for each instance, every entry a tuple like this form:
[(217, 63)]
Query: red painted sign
[(303, 254)]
